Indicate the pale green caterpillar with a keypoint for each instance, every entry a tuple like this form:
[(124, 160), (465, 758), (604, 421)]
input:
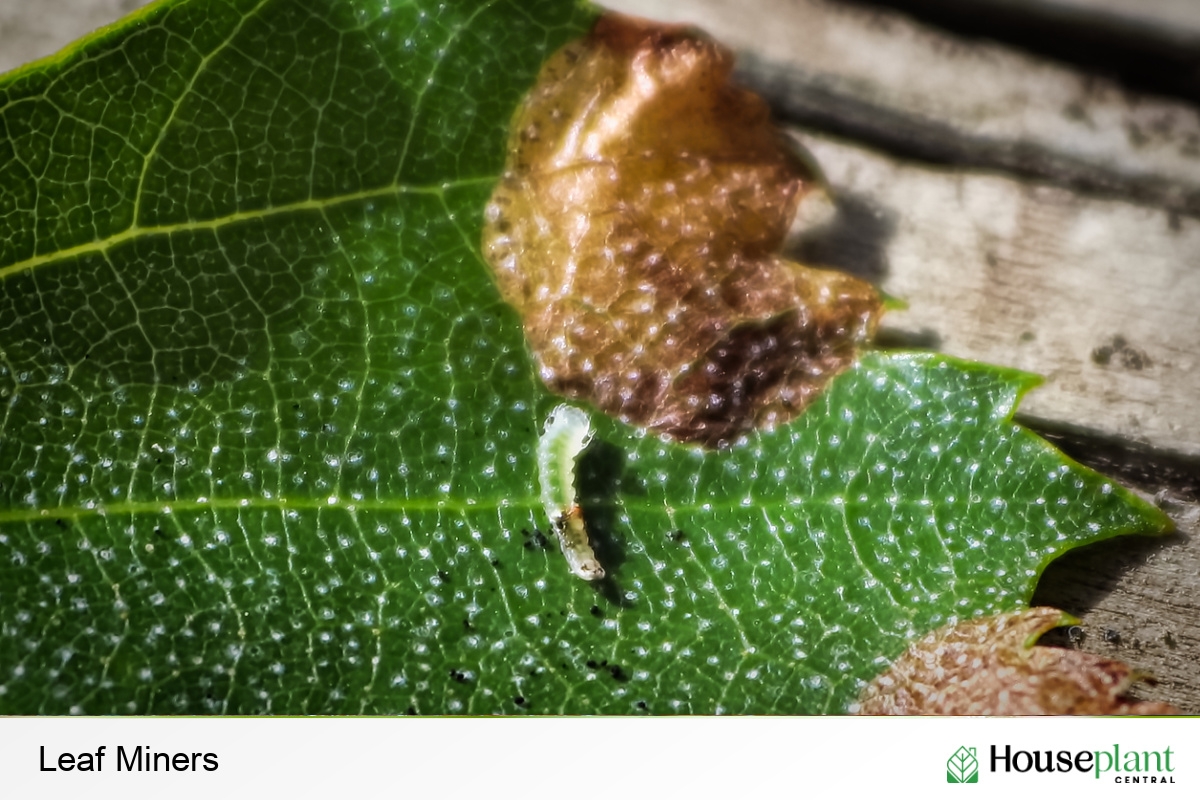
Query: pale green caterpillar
[(567, 432)]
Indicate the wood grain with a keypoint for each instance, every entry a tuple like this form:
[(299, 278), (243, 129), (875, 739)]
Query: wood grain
[(1177, 18), (883, 80), (1152, 46), (1098, 296)]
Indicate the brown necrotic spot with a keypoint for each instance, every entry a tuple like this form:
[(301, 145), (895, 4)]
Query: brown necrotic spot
[(637, 230), (990, 666)]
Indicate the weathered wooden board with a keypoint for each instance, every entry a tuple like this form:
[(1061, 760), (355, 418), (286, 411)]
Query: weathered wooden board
[(886, 81), (1177, 18), (1173, 23), (1100, 297), (1153, 45)]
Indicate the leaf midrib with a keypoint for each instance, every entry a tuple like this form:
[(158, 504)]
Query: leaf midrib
[(397, 505)]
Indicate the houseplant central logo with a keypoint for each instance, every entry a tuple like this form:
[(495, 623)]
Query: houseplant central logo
[(962, 767), (1118, 763)]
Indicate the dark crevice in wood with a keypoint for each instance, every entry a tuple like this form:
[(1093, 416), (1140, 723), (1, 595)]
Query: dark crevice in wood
[(1144, 56), (1175, 478), (1080, 580), (809, 101)]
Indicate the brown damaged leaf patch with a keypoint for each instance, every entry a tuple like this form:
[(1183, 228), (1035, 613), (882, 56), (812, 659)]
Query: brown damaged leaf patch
[(991, 666), (637, 231)]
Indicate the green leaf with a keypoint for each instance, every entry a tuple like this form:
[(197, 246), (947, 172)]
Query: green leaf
[(267, 433)]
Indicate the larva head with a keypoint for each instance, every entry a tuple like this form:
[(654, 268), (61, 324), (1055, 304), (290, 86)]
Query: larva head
[(588, 568)]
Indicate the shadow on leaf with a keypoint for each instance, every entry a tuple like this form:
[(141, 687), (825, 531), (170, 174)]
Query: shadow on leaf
[(602, 477)]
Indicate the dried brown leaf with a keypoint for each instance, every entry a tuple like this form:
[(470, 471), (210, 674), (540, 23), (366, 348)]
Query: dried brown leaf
[(637, 231), (991, 666)]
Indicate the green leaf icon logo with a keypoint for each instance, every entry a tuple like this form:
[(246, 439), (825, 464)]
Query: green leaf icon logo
[(962, 767)]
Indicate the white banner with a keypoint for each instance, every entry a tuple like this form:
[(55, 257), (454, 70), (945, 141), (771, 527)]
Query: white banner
[(621, 758)]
